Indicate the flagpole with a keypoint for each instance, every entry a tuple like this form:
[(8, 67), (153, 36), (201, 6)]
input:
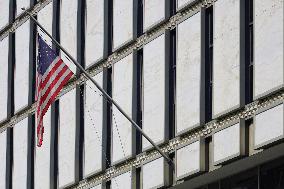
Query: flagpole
[(102, 90)]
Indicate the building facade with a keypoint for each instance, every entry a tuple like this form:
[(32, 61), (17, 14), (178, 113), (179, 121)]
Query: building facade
[(202, 78)]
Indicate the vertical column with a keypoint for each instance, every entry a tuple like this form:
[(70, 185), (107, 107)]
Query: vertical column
[(106, 139), (31, 100), (10, 107), (79, 143), (55, 105), (206, 64)]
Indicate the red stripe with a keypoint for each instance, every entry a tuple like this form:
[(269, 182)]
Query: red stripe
[(54, 82), (51, 72), (51, 100)]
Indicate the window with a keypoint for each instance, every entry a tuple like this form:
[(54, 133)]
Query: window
[(188, 74), (68, 30), (3, 78), (154, 12), (20, 154), (226, 60), (122, 22), (94, 31), (93, 127), (66, 139), (268, 60), (21, 81), (3, 144), (154, 91)]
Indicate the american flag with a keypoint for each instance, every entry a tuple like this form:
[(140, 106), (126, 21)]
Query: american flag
[(52, 75)]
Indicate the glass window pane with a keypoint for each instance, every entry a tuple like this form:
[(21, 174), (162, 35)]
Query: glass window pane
[(94, 31), (271, 120), (268, 63), (66, 149), (153, 174), (93, 127), (154, 12), (21, 4), (154, 90), (226, 143), (20, 153), (226, 59), (122, 22), (188, 159), (3, 78), (45, 19), (22, 66), (4, 9), (42, 156), (3, 143), (122, 94), (122, 181), (68, 30), (188, 73)]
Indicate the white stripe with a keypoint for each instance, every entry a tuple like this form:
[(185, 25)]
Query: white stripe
[(55, 88), (54, 75), (50, 67)]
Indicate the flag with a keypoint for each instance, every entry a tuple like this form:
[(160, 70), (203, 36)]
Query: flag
[(52, 75)]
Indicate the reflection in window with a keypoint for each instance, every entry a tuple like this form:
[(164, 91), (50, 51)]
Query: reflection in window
[(42, 156), (226, 60), (268, 62), (22, 66), (94, 31), (3, 137), (93, 127), (4, 9), (68, 30), (66, 139), (154, 90), (188, 73), (122, 22), (20, 153), (122, 94), (3, 78), (154, 12)]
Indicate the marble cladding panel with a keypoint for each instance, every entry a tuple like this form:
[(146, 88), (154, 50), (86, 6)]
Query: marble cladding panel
[(226, 143), (153, 174), (3, 78), (122, 94), (45, 19), (122, 22), (20, 154), (226, 56), (4, 9), (3, 144), (154, 12), (93, 117), (268, 45), (42, 156), (154, 90), (121, 181), (21, 79), (188, 70), (68, 31), (94, 31), (20, 5), (271, 120), (188, 159), (66, 139)]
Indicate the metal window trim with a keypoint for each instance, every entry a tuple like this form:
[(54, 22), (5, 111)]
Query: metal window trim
[(270, 142), (203, 155), (242, 145)]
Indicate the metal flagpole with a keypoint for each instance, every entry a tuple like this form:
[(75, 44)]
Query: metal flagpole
[(102, 90)]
